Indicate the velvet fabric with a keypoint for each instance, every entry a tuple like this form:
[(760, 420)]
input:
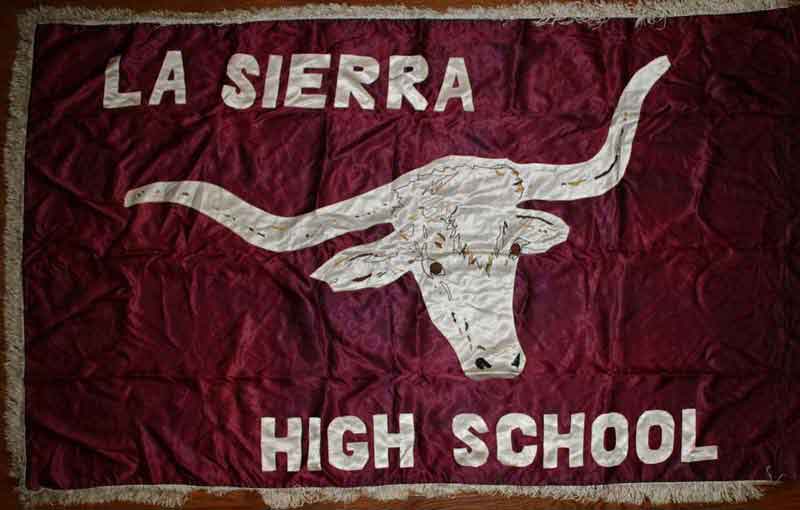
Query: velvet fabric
[(156, 339)]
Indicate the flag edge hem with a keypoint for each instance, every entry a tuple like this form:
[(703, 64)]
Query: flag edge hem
[(177, 495), (541, 12)]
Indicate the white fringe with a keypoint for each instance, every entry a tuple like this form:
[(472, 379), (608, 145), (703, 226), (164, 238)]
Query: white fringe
[(176, 495), (14, 164), (541, 12)]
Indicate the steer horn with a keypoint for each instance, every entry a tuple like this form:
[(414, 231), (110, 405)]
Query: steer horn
[(541, 182), (603, 171), (265, 230)]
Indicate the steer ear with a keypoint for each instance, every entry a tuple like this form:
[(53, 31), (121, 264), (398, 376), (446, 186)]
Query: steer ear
[(538, 231), (360, 267)]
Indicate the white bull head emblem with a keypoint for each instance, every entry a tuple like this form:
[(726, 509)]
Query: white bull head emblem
[(456, 229)]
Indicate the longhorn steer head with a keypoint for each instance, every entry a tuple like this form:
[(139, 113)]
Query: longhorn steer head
[(456, 229)]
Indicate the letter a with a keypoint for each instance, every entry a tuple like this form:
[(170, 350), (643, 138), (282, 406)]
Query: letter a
[(170, 78)]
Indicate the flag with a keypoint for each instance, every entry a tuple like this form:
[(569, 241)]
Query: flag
[(433, 252)]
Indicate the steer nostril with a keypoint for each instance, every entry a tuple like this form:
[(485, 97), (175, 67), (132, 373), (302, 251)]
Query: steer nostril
[(482, 363), (516, 361)]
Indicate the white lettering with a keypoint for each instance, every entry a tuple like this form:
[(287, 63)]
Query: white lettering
[(476, 453), (299, 80), (170, 79), (572, 440), (271, 445), (616, 455), (243, 94), (314, 439), (690, 452), (505, 449), (350, 457), (455, 86), (404, 72), (666, 426), (272, 81), (354, 73), (112, 97), (403, 440)]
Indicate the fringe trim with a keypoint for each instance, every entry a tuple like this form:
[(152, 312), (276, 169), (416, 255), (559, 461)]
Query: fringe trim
[(14, 165), (540, 12), (176, 495)]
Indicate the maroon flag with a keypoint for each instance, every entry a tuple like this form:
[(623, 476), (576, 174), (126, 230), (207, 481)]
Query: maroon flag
[(329, 254)]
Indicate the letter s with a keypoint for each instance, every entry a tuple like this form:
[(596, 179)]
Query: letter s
[(476, 453)]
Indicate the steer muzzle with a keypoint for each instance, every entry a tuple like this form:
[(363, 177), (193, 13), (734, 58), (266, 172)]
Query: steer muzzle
[(505, 365)]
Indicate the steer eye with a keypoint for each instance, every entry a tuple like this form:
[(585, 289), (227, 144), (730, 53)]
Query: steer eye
[(436, 268), (515, 249)]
